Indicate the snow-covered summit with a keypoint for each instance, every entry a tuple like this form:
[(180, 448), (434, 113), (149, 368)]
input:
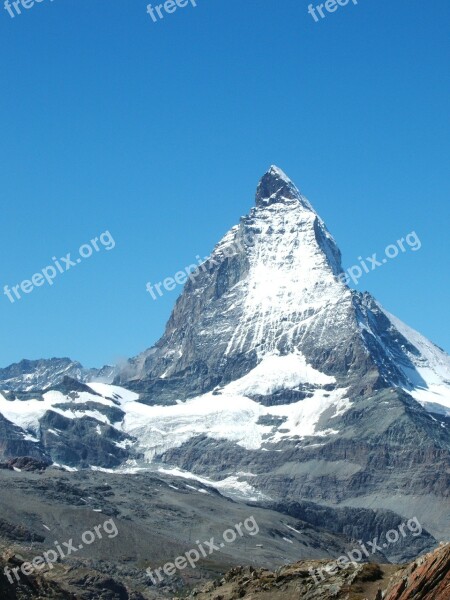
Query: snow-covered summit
[(272, 287)]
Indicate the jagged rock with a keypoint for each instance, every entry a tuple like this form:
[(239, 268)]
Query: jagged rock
[(427, 578)]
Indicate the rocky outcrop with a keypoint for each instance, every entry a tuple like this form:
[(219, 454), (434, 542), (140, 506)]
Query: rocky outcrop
[(427, 578), (25, 463)]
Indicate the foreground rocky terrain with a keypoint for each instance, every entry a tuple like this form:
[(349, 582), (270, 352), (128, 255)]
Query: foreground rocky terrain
[(427, 578)]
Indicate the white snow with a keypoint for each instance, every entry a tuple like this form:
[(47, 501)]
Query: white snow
[(113, 392), (30, 438), (101, 470), (303, 416), (26, 414), (291, 280), (230, 486), (277, 372), (293, 528), (230, 415), (430, 378), (234, 417), (124, 444)]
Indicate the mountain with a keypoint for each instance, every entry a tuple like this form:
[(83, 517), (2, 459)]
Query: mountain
[(274, 382), (272, 296), (29, 375)]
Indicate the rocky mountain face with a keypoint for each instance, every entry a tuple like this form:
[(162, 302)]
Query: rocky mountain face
[(270, 288), (274, 382)]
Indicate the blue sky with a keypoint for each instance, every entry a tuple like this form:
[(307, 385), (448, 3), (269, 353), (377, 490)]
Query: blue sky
[(159, 132)]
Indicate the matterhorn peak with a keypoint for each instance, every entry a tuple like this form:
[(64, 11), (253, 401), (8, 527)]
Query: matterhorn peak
[(276, 187)]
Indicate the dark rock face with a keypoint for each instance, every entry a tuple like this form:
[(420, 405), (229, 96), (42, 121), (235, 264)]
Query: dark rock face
[(84, 584), (82, 442), (25, 463), (18, 533), (364, 524), (13, 443), (69, 385)]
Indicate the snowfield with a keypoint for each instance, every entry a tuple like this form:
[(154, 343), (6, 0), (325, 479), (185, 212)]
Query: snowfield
[(225, 414)]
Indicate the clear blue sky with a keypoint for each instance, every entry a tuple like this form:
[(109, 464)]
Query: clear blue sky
[(159, 132)]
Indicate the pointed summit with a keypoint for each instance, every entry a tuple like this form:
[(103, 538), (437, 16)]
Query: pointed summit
[(275, 186)]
